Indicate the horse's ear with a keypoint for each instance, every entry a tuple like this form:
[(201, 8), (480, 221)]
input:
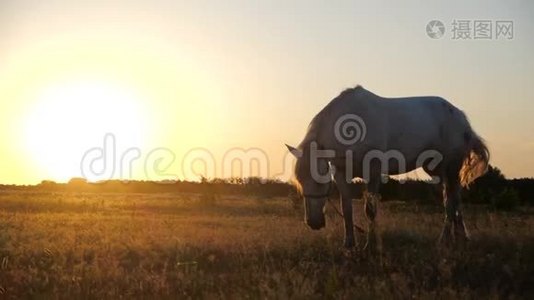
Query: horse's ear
[(296, 152)]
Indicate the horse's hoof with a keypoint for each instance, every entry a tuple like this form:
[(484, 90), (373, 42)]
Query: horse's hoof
[(348, 244), (446, 236), (349, 252), (461, 237), (445, 239), (460, 232), (371, 247)]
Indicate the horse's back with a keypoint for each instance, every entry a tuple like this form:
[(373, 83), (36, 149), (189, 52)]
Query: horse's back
[(422, 123), (408, 124)]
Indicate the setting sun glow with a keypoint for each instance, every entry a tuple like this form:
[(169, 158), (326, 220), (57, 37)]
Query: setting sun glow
[(69, 118), (236, 75)]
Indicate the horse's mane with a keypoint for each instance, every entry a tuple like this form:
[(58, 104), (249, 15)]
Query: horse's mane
[(311, 133), (341, 97)]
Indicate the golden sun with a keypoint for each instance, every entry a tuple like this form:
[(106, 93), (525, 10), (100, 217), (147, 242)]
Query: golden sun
[(69, 118)]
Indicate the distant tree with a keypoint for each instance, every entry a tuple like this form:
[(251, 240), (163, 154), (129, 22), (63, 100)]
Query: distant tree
[(253, 180), (486, 186), (524, 188), (492, 176), (77, 180), (507, 199), (77, 184), (47, 183)]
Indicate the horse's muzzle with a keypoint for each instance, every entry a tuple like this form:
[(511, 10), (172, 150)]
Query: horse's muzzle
[(316, 225)]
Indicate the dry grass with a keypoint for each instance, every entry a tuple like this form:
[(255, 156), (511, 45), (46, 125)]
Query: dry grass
[(169, 245)]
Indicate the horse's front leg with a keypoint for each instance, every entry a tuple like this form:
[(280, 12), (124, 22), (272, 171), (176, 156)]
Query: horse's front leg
[(372, 201), (374, 239), (346, 206), (346, 192)]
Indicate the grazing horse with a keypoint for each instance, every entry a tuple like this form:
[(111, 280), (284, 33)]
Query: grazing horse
[(362, 135)]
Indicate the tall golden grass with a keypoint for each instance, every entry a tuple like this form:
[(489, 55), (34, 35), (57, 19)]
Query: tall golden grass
[(88, 245)]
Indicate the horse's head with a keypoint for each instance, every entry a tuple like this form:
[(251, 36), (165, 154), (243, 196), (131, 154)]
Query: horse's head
[(313, 181)]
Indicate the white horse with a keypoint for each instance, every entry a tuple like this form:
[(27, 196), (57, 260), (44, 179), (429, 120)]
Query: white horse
[(362, 135)]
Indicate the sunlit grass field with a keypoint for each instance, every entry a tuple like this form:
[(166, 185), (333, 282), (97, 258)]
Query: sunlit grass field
[(75, 245)]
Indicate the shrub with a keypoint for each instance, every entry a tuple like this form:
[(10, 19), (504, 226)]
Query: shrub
[(507, 200)]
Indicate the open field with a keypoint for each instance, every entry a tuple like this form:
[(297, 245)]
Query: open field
[(176, 245)]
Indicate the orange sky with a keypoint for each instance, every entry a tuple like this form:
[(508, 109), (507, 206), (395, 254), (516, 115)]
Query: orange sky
[(214, 78)]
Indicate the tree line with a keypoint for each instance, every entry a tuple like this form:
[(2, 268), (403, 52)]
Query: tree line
[(493, 189)]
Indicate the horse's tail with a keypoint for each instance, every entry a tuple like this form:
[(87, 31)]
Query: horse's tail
[(476, 159)]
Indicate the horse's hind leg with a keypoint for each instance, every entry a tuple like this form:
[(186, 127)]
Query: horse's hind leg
[(372, 201), (460, 231), (454, 223), (446, 234)]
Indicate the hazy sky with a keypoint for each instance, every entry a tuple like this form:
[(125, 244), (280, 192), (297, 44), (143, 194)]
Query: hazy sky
[(220, 75)]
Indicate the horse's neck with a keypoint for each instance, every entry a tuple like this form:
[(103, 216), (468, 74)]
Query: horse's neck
[(308, 139), (312, 133)]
